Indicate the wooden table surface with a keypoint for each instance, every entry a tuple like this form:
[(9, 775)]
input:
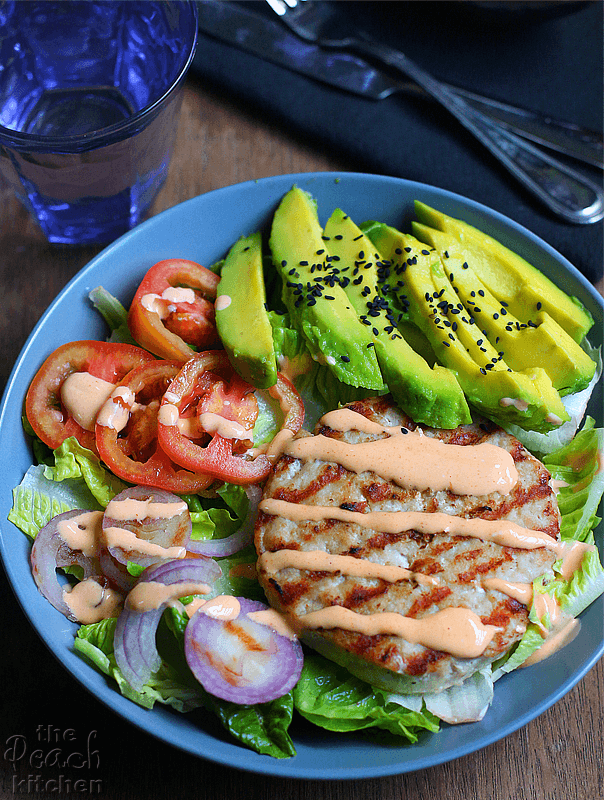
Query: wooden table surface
[(558, 755)]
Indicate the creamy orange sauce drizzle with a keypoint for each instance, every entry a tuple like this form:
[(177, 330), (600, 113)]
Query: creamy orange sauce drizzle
[(345, 419), (90, 602), (82, 532), (278, 443), (522, 592), (280, 623), (130, 508), (321, 561), (502, 532), (150, 595), (417, 461), (457, 631), (223, 607), (554, 641), (83, 396), (115, 412), (130, 542), (163, 304), (208, 422)]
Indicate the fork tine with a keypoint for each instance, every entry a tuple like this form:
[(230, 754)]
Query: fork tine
[(281, 7)]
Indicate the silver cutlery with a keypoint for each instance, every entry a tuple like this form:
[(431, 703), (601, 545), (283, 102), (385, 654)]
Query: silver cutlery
[(570, 195), (265, 36)]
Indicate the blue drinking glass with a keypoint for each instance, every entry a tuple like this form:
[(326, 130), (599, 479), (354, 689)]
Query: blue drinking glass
[(90, 94)]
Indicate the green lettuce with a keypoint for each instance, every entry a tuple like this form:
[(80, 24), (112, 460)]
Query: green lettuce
[(330, 697), (77, 479), (114, 314), (318, 385), (577, 465)]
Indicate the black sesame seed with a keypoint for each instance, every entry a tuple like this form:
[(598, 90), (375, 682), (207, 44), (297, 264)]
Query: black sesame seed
[(481, 293), (345, 358), (495, 316), (464, 265), (483, 371), (376, 332), (446, 344), (538, 306)]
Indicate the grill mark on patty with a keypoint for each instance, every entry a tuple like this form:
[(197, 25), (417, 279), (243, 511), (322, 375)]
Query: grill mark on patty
[(481, 568), (329, 474), (425, 600), (417, 665), (359, 595)]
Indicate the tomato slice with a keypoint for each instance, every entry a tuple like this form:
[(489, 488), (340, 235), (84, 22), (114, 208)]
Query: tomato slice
[(222, 404), (126, 432), (173, 310), (46, 410)]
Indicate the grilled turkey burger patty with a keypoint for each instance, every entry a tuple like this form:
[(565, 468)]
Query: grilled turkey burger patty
[(457, 565)]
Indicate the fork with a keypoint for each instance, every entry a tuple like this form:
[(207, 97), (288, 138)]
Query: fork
[(567, 193)]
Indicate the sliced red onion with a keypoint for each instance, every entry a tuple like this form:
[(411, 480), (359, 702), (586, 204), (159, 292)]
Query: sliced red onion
[(50, 551), (134, 641), (220, 548), (241, 660), (172, 531), (115, 572)]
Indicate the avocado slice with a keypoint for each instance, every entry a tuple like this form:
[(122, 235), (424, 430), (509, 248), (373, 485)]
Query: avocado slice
[(241, 317), (316, 302), (431, 396), (540, 342), (524, 398), (523, 287)]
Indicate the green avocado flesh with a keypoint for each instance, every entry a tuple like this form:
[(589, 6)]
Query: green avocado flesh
[(525, 398), (317, 304), (446, 321), (241, 319), (509, 276), (541, 341), (429, 395)]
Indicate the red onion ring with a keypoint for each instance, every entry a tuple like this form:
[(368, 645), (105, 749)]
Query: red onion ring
[(219, 655), (134, 640), (50, 551), (166, 532), (220, 548)]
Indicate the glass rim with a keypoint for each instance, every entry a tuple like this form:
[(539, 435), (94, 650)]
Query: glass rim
[(88, 141)]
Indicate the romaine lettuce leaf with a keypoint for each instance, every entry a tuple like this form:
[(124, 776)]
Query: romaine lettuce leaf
[(329, 696), (167, 685), (114, 314), (578, 464), (38, 499)]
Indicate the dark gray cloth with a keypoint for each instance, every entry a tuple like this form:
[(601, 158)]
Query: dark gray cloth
[(552, 63)]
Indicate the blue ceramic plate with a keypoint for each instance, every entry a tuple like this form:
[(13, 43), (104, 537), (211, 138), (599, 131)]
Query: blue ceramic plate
[(202, 229)]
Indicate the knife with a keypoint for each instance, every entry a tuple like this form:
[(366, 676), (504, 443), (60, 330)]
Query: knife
[(269, 39)]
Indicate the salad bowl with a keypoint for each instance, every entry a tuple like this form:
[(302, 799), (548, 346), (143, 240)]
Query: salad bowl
[(203, 229)]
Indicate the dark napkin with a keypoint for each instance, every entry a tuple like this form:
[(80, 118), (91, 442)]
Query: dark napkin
[(551, 63)]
